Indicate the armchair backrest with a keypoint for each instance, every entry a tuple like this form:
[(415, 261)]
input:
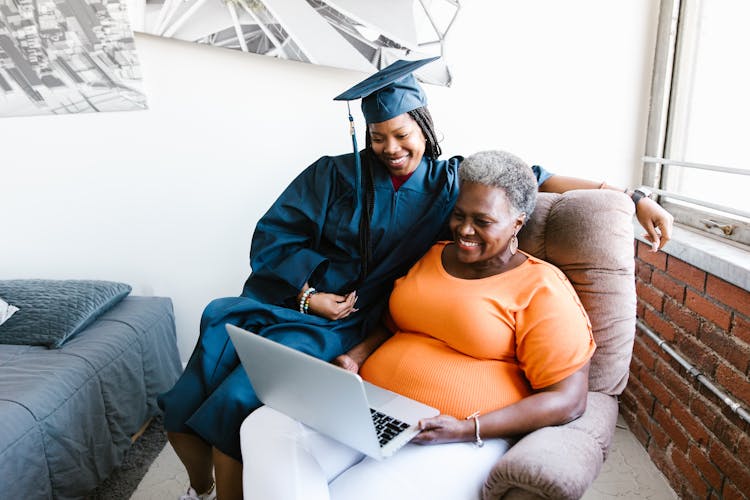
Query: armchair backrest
[(588, 234)]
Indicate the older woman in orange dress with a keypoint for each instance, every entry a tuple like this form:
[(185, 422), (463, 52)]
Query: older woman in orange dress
[(494, 338)]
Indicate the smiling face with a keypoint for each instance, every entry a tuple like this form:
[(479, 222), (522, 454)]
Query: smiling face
[(398, 143), (483, 223)]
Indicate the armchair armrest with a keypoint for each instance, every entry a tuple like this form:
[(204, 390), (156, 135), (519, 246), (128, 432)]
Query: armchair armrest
[(557, 462)]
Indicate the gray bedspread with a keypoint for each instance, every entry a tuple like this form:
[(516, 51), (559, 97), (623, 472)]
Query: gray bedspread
[(67, 415)]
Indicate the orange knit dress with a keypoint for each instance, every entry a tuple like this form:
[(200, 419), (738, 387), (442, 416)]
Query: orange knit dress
[(466, 345)]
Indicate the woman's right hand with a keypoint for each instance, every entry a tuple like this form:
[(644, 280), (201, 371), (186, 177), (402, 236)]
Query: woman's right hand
[(332, 306)]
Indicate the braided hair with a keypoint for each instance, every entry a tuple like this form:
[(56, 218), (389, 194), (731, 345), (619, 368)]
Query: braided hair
[(424, 119)]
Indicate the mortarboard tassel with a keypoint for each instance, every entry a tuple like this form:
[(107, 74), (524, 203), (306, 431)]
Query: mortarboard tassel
[(357, 161)]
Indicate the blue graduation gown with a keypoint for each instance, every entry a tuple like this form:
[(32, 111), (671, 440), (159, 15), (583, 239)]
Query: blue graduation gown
[(310, 234)]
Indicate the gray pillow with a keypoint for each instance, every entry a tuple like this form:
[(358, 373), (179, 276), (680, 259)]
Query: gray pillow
[(51, 311)]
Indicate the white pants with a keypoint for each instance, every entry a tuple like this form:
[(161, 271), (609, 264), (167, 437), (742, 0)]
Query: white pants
[(284, 460)]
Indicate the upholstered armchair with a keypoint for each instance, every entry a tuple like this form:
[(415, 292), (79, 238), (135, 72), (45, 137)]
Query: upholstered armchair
[(588, 234)]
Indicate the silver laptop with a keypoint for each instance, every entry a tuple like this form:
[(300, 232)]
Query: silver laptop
[(328, 398)]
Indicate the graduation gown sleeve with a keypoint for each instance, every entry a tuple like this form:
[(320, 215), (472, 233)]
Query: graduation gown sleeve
[(284, 247), (541, 174)]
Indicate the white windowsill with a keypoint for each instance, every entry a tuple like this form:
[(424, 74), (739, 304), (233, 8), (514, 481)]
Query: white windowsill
[(723, 260)]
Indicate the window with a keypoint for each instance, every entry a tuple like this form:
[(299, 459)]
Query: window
[(698, 144)]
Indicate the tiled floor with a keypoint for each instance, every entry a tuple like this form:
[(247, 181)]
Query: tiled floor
[(627, 473)]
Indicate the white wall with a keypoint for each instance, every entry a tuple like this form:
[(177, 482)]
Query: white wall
[(166, 199)]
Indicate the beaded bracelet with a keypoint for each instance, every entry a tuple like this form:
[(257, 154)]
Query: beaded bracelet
[(477, 438), (304, 301), (307, 300)]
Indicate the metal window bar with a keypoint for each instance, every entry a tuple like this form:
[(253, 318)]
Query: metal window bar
[(702, 166), (707, 204)]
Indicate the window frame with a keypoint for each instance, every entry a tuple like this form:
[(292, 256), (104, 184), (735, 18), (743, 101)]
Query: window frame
[(664, 101)]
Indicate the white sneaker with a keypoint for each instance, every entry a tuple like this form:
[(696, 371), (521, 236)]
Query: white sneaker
[(192, 495)]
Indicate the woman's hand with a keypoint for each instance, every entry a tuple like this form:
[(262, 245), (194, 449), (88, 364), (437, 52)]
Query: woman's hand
[(332, 306), (346, 362), (656, 221), (358, 354), (444, 429)]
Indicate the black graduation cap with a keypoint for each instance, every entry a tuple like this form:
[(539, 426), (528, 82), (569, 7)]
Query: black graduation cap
[(390, 92)]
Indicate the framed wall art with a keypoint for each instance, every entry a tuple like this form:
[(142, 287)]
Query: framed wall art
[(67, 56), (354, 34)]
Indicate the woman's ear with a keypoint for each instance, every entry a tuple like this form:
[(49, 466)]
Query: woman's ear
[(520, 220)]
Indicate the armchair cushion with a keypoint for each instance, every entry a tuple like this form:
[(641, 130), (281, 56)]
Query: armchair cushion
[(557, 462), (588, 234)]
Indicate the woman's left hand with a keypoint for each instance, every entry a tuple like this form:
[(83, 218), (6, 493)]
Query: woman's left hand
[(332, 306), (444, 429), (656, 221)]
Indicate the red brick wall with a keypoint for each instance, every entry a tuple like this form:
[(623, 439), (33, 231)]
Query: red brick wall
[(698, 443)]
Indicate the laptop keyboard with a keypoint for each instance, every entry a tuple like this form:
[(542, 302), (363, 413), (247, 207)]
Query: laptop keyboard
[(387, 427)]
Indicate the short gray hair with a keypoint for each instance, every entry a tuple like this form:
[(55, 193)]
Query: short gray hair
[(506, 171)]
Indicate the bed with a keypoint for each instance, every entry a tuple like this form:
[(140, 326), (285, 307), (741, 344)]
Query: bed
[(67, 414)]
